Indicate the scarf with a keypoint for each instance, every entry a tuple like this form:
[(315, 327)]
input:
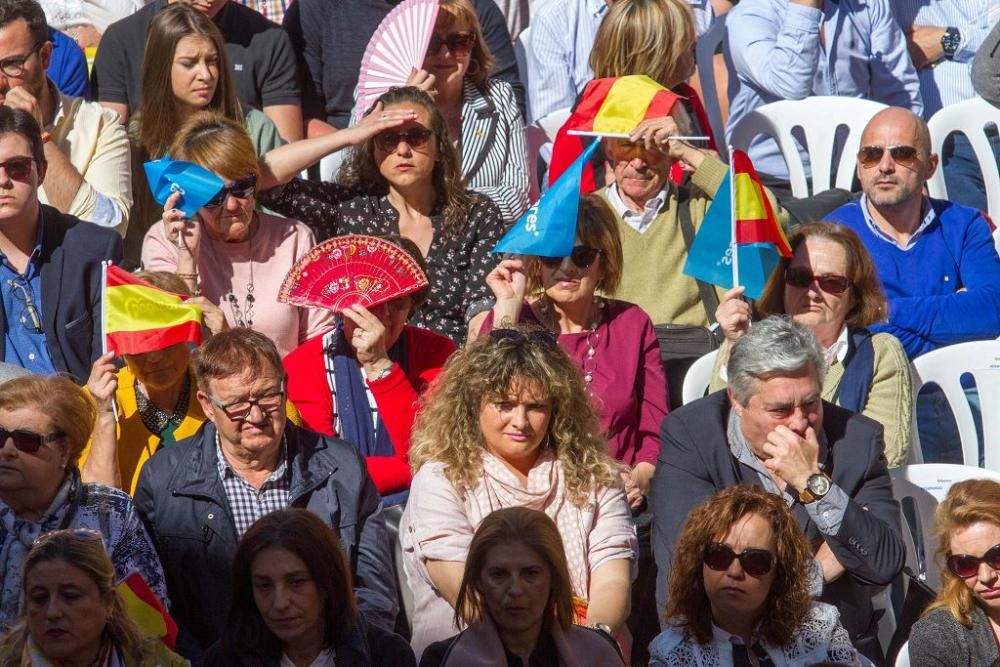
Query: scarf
[(33, 656)]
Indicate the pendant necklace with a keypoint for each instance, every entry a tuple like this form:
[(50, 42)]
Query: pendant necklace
[(589, 365)]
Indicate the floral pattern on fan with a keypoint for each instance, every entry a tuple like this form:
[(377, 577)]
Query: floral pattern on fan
[(348, 270)]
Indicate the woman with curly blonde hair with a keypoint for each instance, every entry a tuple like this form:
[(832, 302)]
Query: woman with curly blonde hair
[(509, 424), (740, 590)]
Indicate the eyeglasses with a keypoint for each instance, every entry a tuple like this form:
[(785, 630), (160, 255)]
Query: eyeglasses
[(240, 410), (831, 283), (965, 566), (623, 150), (415, 137), (27, 441), (29, 317), (459, 43), (582, 256), (871, 156), (18, 168), (518, 336), (15, 66), (241, 189), (81, 533), (755, 562)]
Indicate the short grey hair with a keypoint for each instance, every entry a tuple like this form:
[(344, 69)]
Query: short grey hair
[(774, 346)]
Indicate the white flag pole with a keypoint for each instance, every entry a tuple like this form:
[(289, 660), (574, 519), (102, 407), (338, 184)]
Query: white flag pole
[(104, 323), (625, 135), (732, 218)]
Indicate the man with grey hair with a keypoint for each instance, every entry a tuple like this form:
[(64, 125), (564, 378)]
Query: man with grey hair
[(772, 429)]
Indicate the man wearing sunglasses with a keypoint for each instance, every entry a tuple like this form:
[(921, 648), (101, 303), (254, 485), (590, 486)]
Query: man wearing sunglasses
[(771, 429), (200, 495)]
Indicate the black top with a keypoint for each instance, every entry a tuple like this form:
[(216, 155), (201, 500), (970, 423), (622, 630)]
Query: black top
[(457, 267), (259, 53), (330, 37), (545, 653)]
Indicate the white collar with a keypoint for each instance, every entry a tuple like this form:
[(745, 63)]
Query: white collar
[(622, 209), (929, 216)]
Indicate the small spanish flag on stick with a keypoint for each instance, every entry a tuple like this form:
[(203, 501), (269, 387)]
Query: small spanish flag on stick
[(139, 317), (143, 607)]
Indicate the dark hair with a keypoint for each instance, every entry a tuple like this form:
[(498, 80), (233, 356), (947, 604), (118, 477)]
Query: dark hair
[(16, 121), (360, 169), (233, 352), (31, 12), (302, 533)]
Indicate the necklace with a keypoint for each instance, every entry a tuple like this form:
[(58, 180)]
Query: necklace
[(242, 317), (156, 420), (589, 365)]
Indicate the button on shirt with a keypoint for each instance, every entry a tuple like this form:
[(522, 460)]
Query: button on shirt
[(24, 334), (247, 503), (640, 222)]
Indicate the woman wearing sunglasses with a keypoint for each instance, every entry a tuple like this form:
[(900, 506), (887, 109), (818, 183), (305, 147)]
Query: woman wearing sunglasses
[(960, 628), (830, 286), (510, 424), (402, 177), (44, 425), (233, 254), (740, 590)]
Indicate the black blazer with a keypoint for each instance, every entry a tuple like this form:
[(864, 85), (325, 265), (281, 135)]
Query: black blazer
[(695, 461), (72, 251)]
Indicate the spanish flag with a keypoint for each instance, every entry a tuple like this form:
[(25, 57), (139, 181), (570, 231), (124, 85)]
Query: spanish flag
[(614, 105), (740, 225), (141, 318), (143, 607)]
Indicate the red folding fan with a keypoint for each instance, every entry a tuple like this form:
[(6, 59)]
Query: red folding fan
[(346, 270)]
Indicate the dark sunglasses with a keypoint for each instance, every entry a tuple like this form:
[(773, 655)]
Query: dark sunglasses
[(458, 43), (582, 256), (517, 336), (871, 156), (18, 168), (965, 566), (241, 189), (415, 137), (26, 441), (831, 283), (755, 562), (623, 150)]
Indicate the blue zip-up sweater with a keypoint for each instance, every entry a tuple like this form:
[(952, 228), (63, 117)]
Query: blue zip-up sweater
[(954, 252)]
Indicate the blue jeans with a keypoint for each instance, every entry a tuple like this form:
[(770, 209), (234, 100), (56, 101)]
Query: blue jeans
[(961, 170), (939, 438)]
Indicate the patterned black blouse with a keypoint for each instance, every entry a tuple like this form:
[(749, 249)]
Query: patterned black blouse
[(457, 266)]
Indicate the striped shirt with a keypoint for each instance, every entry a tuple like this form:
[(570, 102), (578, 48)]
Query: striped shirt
[(247, 503), (949, 81)]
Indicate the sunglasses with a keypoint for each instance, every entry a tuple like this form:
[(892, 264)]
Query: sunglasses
[(622, 150), (26, 441), (965, 566), (755, 562), (582, 256), (831, 283), (459, 43), (518, 337), (18, 168), (415, 137), (871, 156), (241, 189)]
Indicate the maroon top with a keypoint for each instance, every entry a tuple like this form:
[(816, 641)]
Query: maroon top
[(629, 389)]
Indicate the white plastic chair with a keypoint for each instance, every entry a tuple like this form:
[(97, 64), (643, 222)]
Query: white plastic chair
[(903, 657), (945, 367), (521, 57), (705, 58), (819, 119), (539, 137), (698, 377), (971, 117)]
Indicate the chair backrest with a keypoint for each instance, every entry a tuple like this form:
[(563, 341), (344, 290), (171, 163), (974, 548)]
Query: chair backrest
[(521, 56), (705, 50), (820, 119), (903, 657), (945, 367), (971, 117), (698, 377), (551, 123)]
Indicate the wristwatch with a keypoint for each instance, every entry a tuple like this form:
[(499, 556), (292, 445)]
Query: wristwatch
[(950, 41), (817, 486)]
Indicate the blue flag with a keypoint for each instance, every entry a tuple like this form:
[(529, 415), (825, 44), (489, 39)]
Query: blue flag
[(548, 229), (711, 255), (196, 184)]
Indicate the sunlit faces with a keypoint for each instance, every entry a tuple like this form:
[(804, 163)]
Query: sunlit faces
[(286, 596), (568, 281), (516, 584), (194, 74), (161, 369), (23, 61), (640, 173), (449, 62), (393, 316), (18, 196), (732, 593), (514, 425), (404, 165), (66, 612), (259, 433), (975, 540), (783, 400), (21, 471), (233, 219), (812, 306), (890, 183)]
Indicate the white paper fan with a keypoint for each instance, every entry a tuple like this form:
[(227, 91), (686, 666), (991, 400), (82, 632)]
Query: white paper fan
[(398, 45)]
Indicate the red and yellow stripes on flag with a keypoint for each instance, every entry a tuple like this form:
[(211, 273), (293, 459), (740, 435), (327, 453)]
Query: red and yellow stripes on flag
[(143, 607), (755, 219), (139, 317), (617, 105)]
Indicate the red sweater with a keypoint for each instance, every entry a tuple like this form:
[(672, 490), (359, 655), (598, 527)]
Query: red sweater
[(396, 395)]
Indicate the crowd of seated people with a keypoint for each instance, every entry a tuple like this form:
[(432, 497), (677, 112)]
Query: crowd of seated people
[(495, 467)]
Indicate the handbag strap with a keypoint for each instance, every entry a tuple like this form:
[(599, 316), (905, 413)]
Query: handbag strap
[(709, 297)]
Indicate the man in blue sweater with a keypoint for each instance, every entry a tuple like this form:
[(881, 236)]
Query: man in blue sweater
[(936, 259)]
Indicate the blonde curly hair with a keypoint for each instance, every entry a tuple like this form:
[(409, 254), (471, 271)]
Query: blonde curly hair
[(494, 367)]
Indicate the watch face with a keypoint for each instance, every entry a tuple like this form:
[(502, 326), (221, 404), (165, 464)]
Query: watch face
[(818, 485)]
